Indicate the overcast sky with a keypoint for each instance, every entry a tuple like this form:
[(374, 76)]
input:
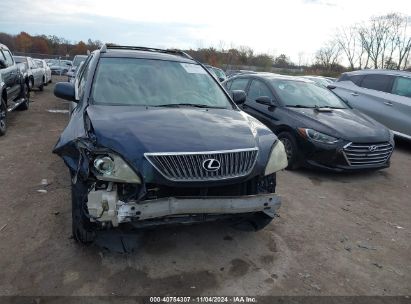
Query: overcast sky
[(287, 26)]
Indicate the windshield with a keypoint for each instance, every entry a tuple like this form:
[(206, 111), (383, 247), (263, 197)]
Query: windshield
[(303, 94), (148, 82)]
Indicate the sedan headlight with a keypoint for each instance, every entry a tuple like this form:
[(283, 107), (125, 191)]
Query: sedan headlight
[(277, 160), (113, 168), (317, 136)]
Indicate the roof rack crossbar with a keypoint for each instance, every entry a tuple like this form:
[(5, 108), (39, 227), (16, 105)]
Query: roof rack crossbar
[(104, 48)]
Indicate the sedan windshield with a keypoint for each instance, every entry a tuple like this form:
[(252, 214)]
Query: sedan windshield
[(301, 94), (148, 82)]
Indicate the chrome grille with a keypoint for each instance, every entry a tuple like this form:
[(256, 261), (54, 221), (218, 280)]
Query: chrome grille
[(188, 166), (367, 154)]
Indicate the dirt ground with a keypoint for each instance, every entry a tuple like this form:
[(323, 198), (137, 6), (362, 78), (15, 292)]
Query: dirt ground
[(338, 234)]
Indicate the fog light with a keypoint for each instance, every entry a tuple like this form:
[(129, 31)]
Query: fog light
[(104, 165)]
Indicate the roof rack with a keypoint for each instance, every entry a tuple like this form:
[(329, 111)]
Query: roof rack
[(104, 48)]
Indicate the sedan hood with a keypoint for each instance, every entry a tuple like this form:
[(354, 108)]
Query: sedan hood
[(132, 131), (347, 124)]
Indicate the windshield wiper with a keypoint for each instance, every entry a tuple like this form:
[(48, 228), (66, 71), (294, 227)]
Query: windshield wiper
[(298, 106), (189, 105)]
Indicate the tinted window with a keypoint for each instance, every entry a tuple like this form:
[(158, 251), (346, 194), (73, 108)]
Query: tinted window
[(402, 86), (9, 59), (148, 82), (258, 89), (239, 84), (356, 79), (305, 94), (377, 82)]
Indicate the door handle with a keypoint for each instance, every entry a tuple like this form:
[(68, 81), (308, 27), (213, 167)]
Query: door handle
[(354, 94), (388, 103)]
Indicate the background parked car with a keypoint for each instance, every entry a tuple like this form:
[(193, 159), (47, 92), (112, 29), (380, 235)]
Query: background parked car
[(33, 75), (78, 59), (316, 127), (14, 91), (47, 71), (218, 73), (322, 81), (382, 94), (60, 67)]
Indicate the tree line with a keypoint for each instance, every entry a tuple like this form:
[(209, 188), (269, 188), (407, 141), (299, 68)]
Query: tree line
[(47, 45)]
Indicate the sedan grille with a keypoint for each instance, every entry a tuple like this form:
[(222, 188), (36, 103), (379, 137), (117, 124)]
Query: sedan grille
[(204, 166), (367, 154)]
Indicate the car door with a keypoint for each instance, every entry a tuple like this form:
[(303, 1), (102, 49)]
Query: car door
[(372, 97), (401, 105), (264, 113), (11, 76), (36, 71)]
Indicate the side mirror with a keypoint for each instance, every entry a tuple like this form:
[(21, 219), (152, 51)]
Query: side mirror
[(239, 96), (265, 100), (3, 64), (221, 79), (65, 90)]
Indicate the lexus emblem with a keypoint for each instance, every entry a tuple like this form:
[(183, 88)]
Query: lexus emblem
[(372, 148), (211, 164)]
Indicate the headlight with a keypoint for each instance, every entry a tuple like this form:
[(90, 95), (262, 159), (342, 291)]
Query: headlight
[(113, 168), (277, 160), (317, 136)]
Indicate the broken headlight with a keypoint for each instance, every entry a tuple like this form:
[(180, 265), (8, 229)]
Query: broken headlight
[(113, 168), (277, 160)]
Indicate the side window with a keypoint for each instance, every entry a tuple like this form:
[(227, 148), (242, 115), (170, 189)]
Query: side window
[(8, 57), (239, 84), (402, 86), (377, 82), (356, 79), (258, 89), (83, 77), (228, 84)]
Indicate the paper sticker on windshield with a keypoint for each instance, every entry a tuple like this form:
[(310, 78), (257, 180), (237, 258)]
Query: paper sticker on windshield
[(193, 68)]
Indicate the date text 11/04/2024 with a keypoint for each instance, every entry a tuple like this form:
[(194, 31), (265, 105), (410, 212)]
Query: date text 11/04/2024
[(203, 299)]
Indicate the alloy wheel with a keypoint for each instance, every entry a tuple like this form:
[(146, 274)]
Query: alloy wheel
[(288, 147)]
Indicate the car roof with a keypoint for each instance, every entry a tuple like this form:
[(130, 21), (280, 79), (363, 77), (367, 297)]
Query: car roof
[(144, 53), (380, 72), (2, 46), (273, 76)]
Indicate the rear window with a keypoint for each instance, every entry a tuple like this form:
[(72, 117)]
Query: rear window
[(402, 86), (149, 82)]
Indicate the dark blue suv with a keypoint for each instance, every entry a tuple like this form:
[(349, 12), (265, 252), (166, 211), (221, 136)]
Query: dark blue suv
[(155, 139)]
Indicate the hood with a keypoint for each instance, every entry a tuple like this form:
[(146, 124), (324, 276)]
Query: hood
[(347, 124), (133, 131)]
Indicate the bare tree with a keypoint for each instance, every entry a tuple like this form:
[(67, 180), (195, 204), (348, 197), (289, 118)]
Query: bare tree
[(329, 55), (347, 39)]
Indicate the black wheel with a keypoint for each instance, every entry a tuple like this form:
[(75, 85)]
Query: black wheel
[(41, 87), (291, 149), (26, 95), (3, 117), (31, 86), (253, 222), (83, 230)]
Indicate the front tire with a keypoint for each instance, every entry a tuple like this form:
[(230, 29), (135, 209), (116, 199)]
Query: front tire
[(83, 230), (291, 149), (26, 95), (3, 117)]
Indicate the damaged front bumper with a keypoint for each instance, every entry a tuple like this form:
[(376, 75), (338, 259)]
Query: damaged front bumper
[(105, 206)]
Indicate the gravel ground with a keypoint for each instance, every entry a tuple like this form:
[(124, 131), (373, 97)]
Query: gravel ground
[(338, 234)]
